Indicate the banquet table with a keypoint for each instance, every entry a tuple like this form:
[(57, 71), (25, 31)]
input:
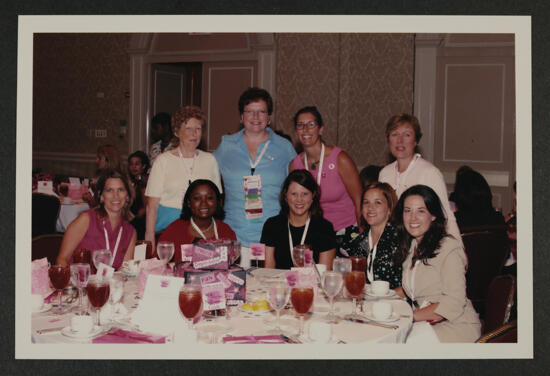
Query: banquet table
[(68, 213), (240, 323)]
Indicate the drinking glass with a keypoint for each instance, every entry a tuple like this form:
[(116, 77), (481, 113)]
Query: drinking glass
[(82, 256), (332, 284), (298, 255), (59, 276), (358, 263), (355, 283), (278, 294), (341, 265), (101, 256), (190, 302), (98, 293), (165, 251), (302, 300), (80, 273), (116, 285)]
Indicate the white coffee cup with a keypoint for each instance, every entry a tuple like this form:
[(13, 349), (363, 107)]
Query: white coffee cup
[(382, 310), (132, 266), (380, 288), (82, 324), (37, 302), (319, 331)]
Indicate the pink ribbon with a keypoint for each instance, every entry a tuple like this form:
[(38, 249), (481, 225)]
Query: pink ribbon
[(125, 336)]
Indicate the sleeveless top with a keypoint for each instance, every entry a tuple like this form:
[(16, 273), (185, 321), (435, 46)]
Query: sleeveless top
[(94, 238), (337, 205)]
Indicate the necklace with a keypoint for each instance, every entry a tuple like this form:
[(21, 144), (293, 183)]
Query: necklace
[(208, 228), (314, 164)]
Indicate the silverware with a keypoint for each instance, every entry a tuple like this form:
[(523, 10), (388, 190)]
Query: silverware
[(49, 330), (370, 322), (290, 339)]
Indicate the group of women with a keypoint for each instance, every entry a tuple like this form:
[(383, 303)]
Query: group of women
[(403, 223)]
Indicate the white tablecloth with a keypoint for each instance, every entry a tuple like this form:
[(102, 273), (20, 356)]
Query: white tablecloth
[(244, 323), (68, 213)]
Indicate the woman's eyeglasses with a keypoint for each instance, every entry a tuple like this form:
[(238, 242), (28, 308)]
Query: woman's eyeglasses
[(308, 125)]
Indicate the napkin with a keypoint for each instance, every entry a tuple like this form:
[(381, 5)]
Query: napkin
[(125, 336), (254, 339), (146, 267), (40, 281)]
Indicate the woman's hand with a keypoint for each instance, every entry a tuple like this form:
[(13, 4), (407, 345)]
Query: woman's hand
[(427, 313), (399, 291)]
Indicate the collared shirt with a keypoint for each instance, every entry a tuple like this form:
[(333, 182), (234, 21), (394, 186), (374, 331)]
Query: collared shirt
[(233, 160)]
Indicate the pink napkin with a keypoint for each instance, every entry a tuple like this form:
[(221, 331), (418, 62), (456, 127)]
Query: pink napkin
[(125, 336), (253, 339), (40, 281), (149, 266)]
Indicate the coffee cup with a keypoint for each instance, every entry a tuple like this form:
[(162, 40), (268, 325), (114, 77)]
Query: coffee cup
[(37, 302), (82, 324), (380, 288), (382, 310), (319, 331), (132, 266)]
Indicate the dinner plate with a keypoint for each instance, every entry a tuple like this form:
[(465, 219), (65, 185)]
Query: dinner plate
[(45, 307), (68, 332), (394, 317), (371, 293)]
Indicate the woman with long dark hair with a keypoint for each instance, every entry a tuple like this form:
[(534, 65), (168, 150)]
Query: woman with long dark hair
[(434, 267), (299, 222)]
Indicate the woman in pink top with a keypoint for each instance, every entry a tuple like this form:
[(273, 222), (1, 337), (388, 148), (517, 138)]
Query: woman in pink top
[(334, 171), (104, 227)]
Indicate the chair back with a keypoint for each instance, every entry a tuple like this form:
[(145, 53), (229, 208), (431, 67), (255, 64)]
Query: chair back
[(47, 245), (505, 334), (499, 302), (45, 210), (487, 250)]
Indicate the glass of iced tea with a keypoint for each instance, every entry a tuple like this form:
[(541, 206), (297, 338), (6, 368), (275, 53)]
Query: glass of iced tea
[(300, 256), (59, 277), (302, 300), (355, 283), (98, 291), (358, 263), (190, 302)]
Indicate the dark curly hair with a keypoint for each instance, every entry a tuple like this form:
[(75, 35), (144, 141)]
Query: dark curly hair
[(432, 238), (306, 180), (253, 94), (186, 208)]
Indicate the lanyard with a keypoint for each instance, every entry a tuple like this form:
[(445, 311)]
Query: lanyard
[(403, 175), (201, 233), (371, 257), (185, 168), (290, 243), (320, 163), (258, 158), (108, 246)]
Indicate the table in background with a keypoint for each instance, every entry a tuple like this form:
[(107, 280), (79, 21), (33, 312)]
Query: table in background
[(68, 213)]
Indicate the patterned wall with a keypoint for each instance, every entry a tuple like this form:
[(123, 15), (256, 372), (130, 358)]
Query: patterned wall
[(69, 72), (357, 81)]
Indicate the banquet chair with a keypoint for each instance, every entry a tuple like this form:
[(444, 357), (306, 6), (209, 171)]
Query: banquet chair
[(45, 210), (47, 245), (487, 249), (505, 334), (499, 302)]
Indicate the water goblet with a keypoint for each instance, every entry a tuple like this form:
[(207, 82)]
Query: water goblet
[(302, 300), (101, 256), (190, 302), (98, 290), (165, 251), (299, 255), (116, 287), (341, 265), (278, 294), (332, 284), (59, 277), (80, 273), (355, 283)]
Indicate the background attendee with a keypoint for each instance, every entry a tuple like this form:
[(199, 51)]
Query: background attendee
[(174, 170), (378, 242), (403, 135), (201, 218), (107, 158), (369, 175), (434, 267), (253, 163), (334, 171), (138, 166), (511, 230), (300, 222), (161, 135), (104, 227)]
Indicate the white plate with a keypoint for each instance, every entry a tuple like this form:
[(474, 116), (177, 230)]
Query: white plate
[(371, 293), (68, 332), (394, 317), (45, 307)]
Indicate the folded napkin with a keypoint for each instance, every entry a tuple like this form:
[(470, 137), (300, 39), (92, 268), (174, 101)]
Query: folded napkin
[(146, 267), (40, 281), (254, 339), (125, 336)]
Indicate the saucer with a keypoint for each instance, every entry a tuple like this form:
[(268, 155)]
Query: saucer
[(394, 317), (389, 294), (68, 332), (45, 307)]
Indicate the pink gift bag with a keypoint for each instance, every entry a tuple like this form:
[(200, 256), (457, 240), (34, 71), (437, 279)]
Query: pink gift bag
[(40, 281), (149, 266)]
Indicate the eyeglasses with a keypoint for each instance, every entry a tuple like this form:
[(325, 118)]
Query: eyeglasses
[(309, 125), (260, 113)]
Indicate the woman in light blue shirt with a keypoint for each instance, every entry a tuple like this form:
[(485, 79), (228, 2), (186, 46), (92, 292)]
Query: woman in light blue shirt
[(253, 163)]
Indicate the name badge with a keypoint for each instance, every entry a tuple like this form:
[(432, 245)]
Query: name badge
[(253, 205)]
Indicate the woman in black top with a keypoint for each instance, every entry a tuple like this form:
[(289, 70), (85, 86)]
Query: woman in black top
[(299, 222)]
